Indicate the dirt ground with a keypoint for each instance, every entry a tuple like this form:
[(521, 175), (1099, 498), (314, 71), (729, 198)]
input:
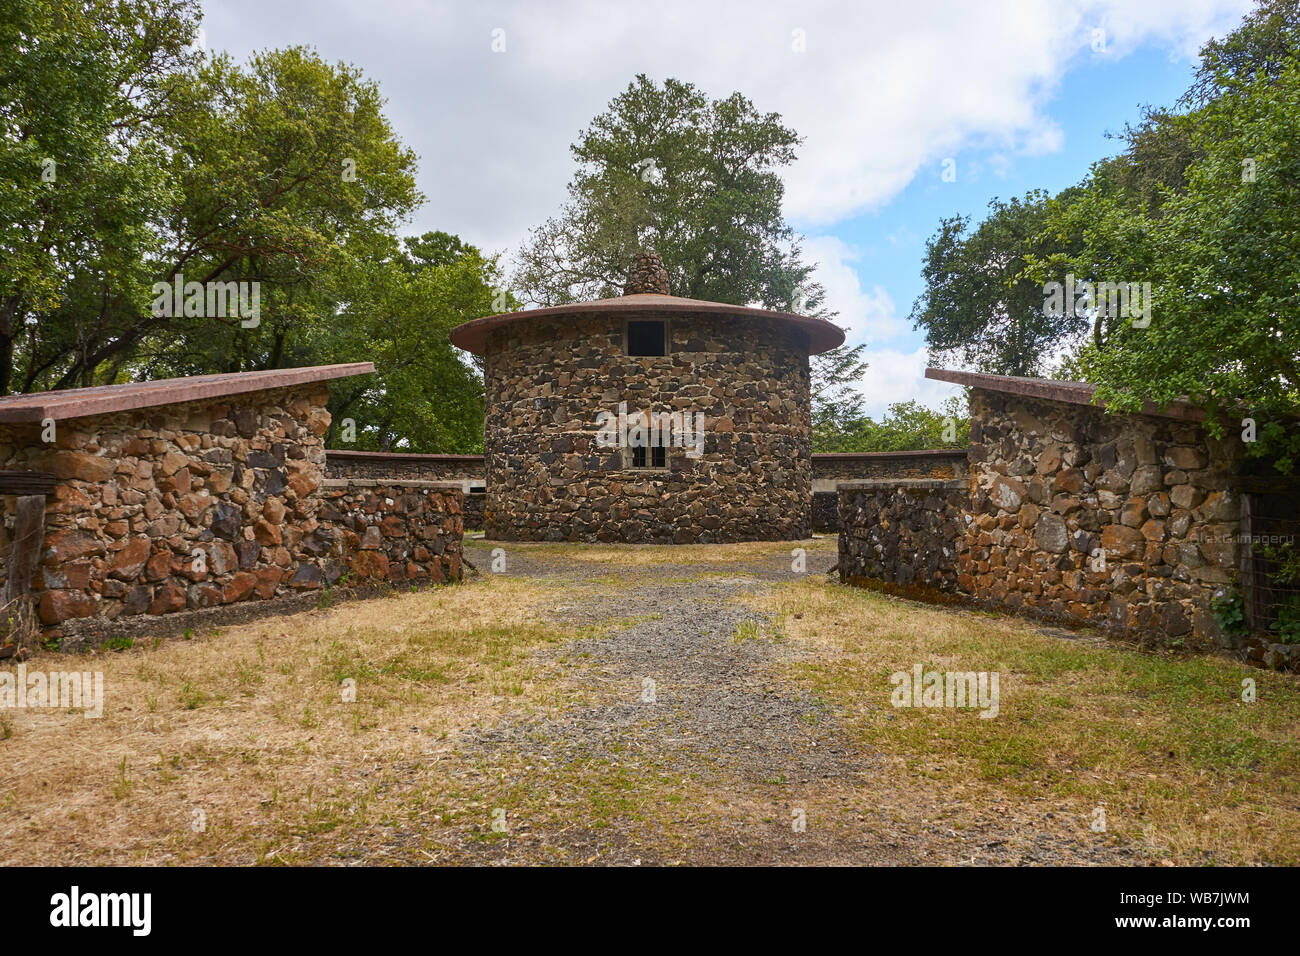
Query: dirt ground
[(645, 706)]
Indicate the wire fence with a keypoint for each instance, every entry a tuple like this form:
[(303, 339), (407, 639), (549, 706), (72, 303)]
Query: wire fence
[(1270, 565)]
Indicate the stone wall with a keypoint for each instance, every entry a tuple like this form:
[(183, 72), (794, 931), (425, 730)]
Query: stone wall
[(386, 466), (1123, 521), (943, 463), (466, 470), (905, 535), (829, 469), (826, 512), (182, 507), (395, 531), (548, 479)]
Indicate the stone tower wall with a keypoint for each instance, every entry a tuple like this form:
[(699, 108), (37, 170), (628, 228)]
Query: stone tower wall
[(548, 478)]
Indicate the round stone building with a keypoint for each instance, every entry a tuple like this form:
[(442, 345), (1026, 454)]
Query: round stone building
[(647, 418)]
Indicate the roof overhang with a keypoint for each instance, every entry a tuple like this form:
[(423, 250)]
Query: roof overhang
[(822, 335), (103, 399), (1050, 390)]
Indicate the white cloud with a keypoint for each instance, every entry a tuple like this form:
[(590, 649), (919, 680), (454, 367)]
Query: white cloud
[(894, 376), (864, 314), (882, 90)]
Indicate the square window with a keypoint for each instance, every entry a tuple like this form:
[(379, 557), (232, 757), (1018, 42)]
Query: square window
[(646, 338), (657, 457)]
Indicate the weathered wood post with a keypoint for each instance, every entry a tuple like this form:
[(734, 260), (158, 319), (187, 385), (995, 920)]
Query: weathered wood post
[(19, 617)]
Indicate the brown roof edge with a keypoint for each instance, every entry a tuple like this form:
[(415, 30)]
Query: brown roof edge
[(823, 335), (104, 399), (1051, 390), (345, 453), (878, 455)]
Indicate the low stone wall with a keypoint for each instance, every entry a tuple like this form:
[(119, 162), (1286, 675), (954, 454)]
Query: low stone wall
[(394, 531), (467, 471), (826, 512), (905, 535), (388, 466), (920, 463), (1127, 522), (475, 505), (207, 504), (829, 469)]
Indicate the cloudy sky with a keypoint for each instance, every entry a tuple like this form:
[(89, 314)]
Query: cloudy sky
[(1009, 95)]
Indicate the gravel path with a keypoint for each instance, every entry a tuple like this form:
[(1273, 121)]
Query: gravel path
[(743, 751)]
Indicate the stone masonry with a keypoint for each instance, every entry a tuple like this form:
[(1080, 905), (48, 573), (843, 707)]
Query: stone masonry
[(396, 531), (208, 503), (905, 535), (1080, 516), (548, 479), (829, 469), (464, 470)]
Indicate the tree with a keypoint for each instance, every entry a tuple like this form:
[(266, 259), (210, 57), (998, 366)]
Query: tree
[(836, 402), (979, 308), (1262, 47), (1223, 261), (85, 87), (268, 174), (905, 426), (696, 180), (398, 311)]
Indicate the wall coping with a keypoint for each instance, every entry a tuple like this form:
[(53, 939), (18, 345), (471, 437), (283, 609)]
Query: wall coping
[(917, 484), (884, 455), (1051, 390), (340, 484), (105, 399), (343, 454)]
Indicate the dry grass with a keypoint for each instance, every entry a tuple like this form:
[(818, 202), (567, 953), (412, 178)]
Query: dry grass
[(1164, 743), (250, 728)]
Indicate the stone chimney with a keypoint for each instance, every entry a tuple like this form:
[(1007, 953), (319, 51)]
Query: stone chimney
[(647, 275)]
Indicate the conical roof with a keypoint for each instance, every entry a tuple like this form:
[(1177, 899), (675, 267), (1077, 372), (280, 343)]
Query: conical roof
[(645, 277)]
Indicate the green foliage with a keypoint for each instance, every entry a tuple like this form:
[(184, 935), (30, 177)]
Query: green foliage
[(1204, 205), (1229, 611), (1287, 623), (906, 426), (836, 401), (1223, 258), (282, 171), (979, 308), (85, 91), (397, 310), (1286, 559)]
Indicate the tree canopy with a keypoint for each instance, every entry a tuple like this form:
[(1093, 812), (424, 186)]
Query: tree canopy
[(665, 167), (132, 158), (1202, 205)]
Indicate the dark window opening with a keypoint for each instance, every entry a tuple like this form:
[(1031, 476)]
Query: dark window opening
[(646, 338), (658, 457)]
